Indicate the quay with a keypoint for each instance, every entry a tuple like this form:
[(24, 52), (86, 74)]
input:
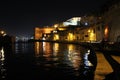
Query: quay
[(104, 69)]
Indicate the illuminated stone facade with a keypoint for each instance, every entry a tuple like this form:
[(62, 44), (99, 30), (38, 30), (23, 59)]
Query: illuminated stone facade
[(47, 32), (80, 33), (112, 21), (42, 32)]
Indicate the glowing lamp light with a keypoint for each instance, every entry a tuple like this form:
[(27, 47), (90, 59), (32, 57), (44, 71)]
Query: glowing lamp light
[(106, 31), (2, 32), (56, 25)]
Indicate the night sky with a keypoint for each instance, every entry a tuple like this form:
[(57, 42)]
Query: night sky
[(20, 17)]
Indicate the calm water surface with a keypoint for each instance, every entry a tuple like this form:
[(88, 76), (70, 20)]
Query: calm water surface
[(47, 61)]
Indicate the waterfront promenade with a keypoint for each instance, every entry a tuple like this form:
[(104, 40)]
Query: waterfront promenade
[(104, 68)]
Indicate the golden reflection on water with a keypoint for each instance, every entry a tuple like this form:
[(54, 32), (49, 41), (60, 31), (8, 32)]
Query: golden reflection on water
[(2, 59), (74, 56), (37, 49), (42, 49), (55, 49), (46, 49), (70, 47), (2, 56)]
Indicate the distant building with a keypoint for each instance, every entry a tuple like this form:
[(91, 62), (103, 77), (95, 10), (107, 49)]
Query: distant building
[(41, 33), (89, 30)]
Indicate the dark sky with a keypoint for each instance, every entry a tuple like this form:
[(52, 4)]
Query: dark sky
[(20, 17)]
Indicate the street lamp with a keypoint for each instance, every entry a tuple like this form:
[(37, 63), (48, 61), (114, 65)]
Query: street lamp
[(2, 33), (56, 26)]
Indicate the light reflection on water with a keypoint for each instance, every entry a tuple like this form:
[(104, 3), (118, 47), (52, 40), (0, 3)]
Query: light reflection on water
[(71, 55), (2, 61), (51, 57)]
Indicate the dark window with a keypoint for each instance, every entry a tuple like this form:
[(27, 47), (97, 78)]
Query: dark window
[(86, 35), (93, 30)]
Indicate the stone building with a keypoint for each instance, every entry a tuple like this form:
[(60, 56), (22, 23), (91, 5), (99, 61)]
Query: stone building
[(88, 30), (111, 21)]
